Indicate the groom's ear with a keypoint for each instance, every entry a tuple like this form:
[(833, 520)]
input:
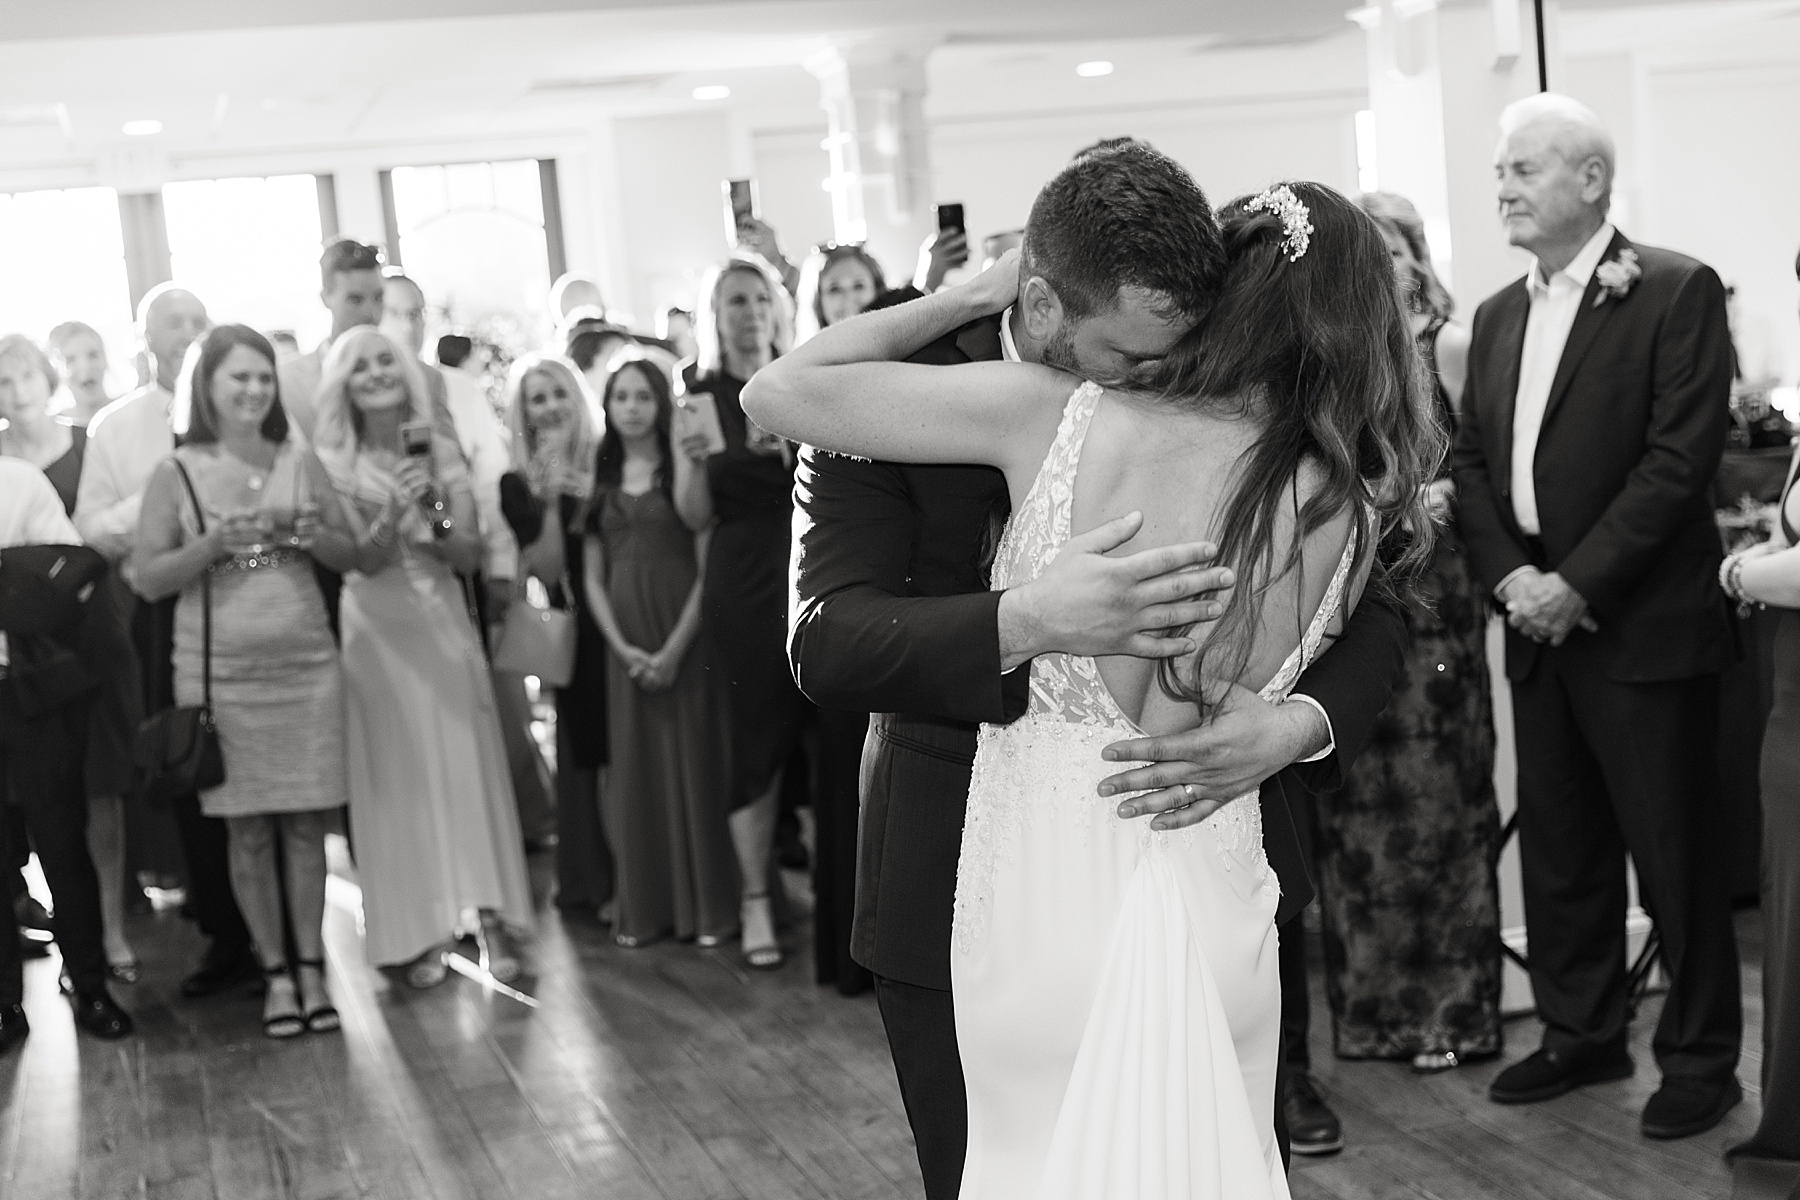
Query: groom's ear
[(1042, 307)]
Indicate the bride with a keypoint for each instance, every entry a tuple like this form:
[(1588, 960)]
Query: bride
[(1117, 1002)]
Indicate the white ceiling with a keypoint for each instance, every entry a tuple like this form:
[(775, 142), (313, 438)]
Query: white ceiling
[(228, 75)]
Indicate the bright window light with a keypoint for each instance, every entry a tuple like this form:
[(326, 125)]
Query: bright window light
[(1367, 179), (142, 128), (711, 91), (1093, 70)]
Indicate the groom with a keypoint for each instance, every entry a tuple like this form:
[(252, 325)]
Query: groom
[(892, 615)]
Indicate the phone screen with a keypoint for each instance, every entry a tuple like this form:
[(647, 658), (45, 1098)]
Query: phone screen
[(415, 439), (950, 216), (740, 205)]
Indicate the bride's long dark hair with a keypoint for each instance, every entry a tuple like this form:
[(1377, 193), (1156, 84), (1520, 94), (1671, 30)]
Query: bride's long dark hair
[(1320, 351)]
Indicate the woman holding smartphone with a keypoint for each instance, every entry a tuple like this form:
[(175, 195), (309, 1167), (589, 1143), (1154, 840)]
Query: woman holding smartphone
[(738, 481), (432, 813)]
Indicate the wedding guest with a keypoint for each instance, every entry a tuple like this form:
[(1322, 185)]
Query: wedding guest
[(56, 445), (230, 524), (591, 344), (553, 420), (1769, 574), (126, 441), (82, 353), (350, 287), (41, 774), (641, 572), (836, 282), (1593, 420), (483, 443), (432, 814), (1405, 863), (744, 494)]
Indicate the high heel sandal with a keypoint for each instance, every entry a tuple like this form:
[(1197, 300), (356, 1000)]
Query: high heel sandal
[(321, 1018), (277, 1024), (761, 953), (495, 952)]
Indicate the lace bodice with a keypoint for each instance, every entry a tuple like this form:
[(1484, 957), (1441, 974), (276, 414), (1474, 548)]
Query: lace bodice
[(1026, 766)]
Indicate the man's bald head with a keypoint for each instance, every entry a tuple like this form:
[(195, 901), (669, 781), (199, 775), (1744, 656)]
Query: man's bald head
[(171, 319), (403, 311)]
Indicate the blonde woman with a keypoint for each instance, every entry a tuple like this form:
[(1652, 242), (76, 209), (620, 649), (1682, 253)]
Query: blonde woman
[(745, 495), (431, 802), (554, 421)]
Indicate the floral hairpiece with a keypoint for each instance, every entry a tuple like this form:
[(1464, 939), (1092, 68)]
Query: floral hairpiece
[(1296, 218)]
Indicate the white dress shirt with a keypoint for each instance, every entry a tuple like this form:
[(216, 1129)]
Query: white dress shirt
[(31, 513), (299, 377), (483, 443), (126, 440), (1009, 350), (1555, 303)]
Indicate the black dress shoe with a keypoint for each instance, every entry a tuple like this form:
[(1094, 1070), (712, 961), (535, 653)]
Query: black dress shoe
[(99, 1015), (1548, 1073), (13, 1026), (1312, 1127), (218, 973), (1684, 1106)]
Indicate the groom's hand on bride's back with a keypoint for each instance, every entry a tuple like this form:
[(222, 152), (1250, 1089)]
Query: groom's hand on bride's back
[(1088, 603), (1193, 774)]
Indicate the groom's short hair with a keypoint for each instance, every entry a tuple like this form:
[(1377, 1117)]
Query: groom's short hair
[(1125, 215)]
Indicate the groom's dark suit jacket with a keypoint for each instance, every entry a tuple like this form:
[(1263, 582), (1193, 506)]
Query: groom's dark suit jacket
[(892, 615)]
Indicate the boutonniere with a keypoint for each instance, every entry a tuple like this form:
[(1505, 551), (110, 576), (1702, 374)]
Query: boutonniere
[(1617, 275)]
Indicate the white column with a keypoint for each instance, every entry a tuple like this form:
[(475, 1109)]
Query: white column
[(874, 100)]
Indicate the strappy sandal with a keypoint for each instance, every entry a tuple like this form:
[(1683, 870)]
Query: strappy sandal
[(495, 951), (323, 1018), (427, 970), (763, 954), (281, 1025)]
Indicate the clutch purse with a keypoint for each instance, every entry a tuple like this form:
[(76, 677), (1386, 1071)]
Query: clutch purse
[(176, 752), (538, 641)]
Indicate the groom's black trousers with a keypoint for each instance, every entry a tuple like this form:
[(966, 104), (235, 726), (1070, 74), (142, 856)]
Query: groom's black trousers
[(921, 1030)]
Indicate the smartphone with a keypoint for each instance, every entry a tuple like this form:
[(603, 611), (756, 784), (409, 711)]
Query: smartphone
[(696, 412), (949, 217), (415, 439), (740, 205)]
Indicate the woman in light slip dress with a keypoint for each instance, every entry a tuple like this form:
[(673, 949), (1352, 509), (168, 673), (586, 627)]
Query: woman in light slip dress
[(1117, 1003)]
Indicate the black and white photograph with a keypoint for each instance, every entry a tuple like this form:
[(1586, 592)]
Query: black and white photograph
[(855, 600)]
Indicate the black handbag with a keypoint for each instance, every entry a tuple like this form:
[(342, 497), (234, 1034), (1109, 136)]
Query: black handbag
[(176, 751)]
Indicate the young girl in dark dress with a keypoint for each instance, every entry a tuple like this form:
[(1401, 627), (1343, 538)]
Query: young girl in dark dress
[(666, 727), (745, 495)]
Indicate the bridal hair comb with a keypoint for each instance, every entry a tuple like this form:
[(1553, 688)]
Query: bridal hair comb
[(1295, 217)]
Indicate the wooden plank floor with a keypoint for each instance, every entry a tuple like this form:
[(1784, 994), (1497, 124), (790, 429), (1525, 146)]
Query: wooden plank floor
[(671, 1073)]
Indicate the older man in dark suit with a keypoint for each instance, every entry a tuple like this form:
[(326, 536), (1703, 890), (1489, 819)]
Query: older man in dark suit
[(1594, 419)]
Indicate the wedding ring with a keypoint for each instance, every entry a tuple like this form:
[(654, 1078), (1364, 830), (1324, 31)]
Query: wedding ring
[(1187, 789)]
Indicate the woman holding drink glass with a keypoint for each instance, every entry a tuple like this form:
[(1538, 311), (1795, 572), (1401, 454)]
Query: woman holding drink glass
[(233, 521)]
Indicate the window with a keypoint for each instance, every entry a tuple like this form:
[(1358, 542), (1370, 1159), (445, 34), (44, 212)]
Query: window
[(481, 239), (65, 261), (249, 248)]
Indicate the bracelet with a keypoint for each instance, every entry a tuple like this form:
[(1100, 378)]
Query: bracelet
[(1731, 582)]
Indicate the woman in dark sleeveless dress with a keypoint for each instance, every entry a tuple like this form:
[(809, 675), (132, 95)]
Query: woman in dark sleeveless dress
[(745, 495), (1407, 848), (1769, 574)]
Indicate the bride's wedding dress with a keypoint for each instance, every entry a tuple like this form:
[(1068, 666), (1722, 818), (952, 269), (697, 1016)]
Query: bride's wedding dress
[(1117, 999)]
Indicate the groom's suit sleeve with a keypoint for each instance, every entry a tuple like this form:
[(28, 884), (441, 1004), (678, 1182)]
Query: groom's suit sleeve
[(856, 639), (1353, 681)]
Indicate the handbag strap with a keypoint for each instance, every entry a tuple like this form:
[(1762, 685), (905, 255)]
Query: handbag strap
[(205, 590)]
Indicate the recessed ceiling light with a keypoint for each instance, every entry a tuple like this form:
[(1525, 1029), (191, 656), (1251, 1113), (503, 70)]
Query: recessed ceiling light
[(711, 91), (141, 128), (1092, 70)]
